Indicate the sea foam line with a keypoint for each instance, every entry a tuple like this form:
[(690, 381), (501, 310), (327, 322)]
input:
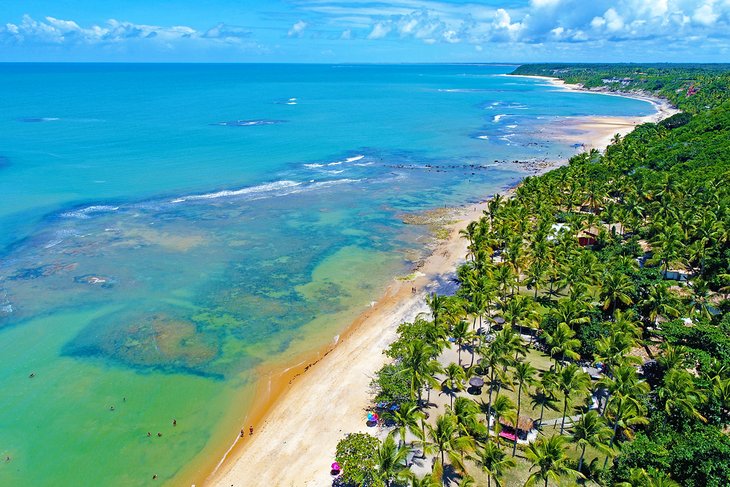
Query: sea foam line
[(262, 188)]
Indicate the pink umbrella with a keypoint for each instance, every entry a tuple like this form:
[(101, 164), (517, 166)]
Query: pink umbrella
[(335, 466)]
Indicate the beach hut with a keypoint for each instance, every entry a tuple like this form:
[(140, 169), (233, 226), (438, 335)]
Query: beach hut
[(525, 431)]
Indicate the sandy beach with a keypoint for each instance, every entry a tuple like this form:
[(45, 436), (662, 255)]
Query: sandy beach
[(597, 132), (300, 424)]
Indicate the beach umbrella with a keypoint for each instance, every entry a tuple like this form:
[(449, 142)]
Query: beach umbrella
[(476, 382)]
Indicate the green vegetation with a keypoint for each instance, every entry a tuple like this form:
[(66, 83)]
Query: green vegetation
[(636, 279), (691, 87)]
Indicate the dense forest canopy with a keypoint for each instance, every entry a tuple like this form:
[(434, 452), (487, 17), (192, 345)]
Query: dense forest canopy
[(691, 87)]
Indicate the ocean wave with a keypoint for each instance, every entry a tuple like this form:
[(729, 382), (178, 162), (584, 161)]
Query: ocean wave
[(483, 137), (248, 123), (334, 172), (87, 212), (499, 117), (39, 119), (347, 161), (251, 190), (313, 166)]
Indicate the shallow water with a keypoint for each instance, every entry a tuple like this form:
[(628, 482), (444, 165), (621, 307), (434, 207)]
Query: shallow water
[(169, 228)]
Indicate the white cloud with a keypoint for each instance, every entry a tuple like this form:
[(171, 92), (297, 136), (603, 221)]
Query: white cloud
[(297, 29), (379, 31), (346, 34), (58, 31), (705, 15)]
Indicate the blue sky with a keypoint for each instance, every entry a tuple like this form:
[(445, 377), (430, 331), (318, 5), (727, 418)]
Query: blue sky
[(365, 31)]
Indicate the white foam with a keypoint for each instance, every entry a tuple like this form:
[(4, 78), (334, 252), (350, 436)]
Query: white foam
[(262, 188), (89, 210), (313, 166), (355, 158), (499, 117), (483, 137)]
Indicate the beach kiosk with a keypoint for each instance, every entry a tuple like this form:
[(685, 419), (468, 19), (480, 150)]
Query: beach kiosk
[(525, 431)]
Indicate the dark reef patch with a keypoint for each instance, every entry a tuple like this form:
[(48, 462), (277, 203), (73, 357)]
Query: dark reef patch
[(158, 340)]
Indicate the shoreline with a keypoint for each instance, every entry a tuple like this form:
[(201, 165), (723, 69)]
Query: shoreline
[(281, 452), (327, 391), (597, 132)]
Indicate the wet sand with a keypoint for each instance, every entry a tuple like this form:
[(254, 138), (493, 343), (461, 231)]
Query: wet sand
[(598, 132)]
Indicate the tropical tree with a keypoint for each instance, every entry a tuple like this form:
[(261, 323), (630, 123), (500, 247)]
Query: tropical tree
[(638, 477), (390, 461), (408, 419), (680, 394), (550, 461), (571, 380), (419, 365), (615, 288), (462, 334), (494, 462), (445, 439), (590, 430), (562, 343), (453, 382), (503, 408), (545, 392), (524, 375)]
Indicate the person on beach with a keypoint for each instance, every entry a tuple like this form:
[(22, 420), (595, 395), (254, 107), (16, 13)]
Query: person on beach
[(250, 430), (242, 433)]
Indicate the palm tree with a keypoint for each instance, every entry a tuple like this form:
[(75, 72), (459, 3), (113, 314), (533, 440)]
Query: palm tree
[(465, 411), (590, 430), (680, 394), (571, 380), (462, 334), (549, 457), (667, 246), (524, 375), (390, 461), (503, 408), (659, 302), (408, 420), (624, 413), (640, 478), (562, 343), (429, 480), (494, 462), (419, 366), (454, 381), (721, 391), (545, 393), (444, 439), (615, 288), (624, 385)]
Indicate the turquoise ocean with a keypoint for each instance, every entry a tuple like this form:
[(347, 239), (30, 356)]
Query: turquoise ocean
[(167, 230)]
